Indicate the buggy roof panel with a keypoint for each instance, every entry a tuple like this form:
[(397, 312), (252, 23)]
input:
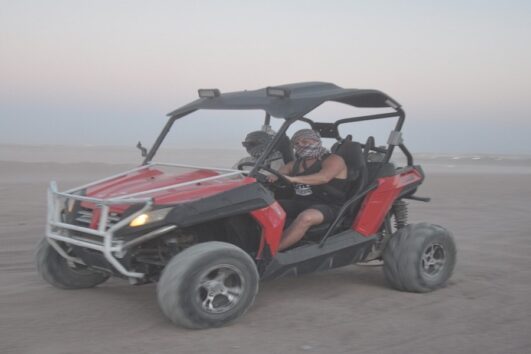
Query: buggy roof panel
[(303, 98)]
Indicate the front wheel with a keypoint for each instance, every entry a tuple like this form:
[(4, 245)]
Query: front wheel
[(57, 271), (207, 285), (419, 258)]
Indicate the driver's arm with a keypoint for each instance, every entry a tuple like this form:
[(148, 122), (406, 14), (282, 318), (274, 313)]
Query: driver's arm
[(286, 169), (283, 170)]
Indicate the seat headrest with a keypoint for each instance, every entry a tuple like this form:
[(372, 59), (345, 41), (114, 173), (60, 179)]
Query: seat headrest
[(352, 153)]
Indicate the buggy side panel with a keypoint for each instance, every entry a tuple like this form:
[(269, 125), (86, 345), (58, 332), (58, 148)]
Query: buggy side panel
[(271, 219), (237, 201), (340, 250), (378, 202), (240, 200)]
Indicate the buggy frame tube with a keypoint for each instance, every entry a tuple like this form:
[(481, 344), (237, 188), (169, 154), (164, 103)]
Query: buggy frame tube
[(398, 127), (49, 220), (343, 210), (162, 135), (399, 113), (106, 247), (407, 153), (365, 118), (195, 181), (73, 190), (194, 166)]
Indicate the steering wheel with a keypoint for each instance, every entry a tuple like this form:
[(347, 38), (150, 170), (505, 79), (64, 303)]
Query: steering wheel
[(281, 182)]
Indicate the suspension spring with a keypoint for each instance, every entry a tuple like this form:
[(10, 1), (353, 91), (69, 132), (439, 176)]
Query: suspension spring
[(400, 211)]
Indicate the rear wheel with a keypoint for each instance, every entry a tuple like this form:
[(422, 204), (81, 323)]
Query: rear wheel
[(57, 271), (207, 285), (419, 258)]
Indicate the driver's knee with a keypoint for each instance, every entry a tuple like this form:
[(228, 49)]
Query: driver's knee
[(309, 218)]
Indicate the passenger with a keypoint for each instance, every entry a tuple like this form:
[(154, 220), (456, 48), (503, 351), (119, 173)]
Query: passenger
[(320, 184), (255, 144)]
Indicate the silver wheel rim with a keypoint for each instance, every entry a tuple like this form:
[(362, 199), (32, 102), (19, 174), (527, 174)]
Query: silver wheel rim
[(220, 288), (433, 260)]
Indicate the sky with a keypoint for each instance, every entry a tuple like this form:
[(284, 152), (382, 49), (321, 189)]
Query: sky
[(107, 72)]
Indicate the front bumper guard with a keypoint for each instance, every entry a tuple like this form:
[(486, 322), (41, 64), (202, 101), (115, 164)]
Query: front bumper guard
[(58, 230)]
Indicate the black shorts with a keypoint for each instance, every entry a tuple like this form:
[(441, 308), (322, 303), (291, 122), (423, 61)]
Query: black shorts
[(294, 207)]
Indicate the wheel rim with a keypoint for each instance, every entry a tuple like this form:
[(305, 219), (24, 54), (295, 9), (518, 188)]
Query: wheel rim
[(220, 288), (433, 260)]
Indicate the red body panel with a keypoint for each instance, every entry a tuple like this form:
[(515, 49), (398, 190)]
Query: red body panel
[(151, 178), (378, 202), (271, 219)]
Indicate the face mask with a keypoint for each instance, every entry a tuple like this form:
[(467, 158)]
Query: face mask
[(310, 151)]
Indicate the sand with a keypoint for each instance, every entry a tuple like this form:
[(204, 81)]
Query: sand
[(486, 307)]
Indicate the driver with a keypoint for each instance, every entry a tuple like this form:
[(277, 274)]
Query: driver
[(255, 144), (320, 184)]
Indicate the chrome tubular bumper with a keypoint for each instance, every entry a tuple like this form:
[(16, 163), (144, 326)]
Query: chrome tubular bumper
[(59, 230)]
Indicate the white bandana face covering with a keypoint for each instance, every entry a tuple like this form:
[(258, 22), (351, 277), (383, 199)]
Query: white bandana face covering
[(313, 150), (310, 151)]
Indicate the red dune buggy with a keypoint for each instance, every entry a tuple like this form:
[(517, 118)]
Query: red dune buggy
[(208, 235)]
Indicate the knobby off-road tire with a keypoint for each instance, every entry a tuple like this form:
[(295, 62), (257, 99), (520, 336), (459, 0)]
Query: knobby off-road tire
[(58, 272), (207, 285), (419, 258)]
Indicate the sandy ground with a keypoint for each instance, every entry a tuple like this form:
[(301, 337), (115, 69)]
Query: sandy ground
[(486, 307)]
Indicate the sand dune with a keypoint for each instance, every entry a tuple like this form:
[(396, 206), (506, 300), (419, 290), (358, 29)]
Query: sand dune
[(485, 308)]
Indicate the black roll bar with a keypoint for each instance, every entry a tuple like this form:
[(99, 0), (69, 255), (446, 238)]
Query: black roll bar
[(343, 210), (398, 127), (399, 113), (162, 135), (406, 152)]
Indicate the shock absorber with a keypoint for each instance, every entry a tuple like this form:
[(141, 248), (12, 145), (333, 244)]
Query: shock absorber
[(400, 212)]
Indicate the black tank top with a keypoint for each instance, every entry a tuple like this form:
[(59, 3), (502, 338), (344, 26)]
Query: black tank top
[(333, 192)]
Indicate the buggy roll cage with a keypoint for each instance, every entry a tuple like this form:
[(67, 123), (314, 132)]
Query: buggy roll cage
[(326, 130), (291, 102)]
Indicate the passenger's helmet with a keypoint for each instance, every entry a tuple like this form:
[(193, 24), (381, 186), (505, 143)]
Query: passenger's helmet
[(256, 142)]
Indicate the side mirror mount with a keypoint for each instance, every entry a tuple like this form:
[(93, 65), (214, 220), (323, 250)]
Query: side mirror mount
[(143, 150)]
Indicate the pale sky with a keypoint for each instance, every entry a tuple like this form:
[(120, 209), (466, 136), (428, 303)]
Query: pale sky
[(107, 72)]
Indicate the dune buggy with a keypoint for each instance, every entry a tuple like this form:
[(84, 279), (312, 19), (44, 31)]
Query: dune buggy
[(208, 235)]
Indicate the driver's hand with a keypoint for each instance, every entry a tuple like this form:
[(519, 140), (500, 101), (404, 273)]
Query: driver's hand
[(272, 178)]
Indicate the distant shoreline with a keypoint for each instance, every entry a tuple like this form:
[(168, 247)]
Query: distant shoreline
[(427, 154), (29, 158)]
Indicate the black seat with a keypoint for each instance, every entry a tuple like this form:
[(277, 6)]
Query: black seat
[(352, 153), (380, 169)]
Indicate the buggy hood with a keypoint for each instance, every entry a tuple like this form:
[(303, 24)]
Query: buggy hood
[(140, 183)]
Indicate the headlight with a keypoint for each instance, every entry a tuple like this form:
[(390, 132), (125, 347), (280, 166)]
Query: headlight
[(149, 217)]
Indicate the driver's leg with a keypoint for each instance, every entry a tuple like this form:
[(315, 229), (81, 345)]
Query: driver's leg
[(299, 226)]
